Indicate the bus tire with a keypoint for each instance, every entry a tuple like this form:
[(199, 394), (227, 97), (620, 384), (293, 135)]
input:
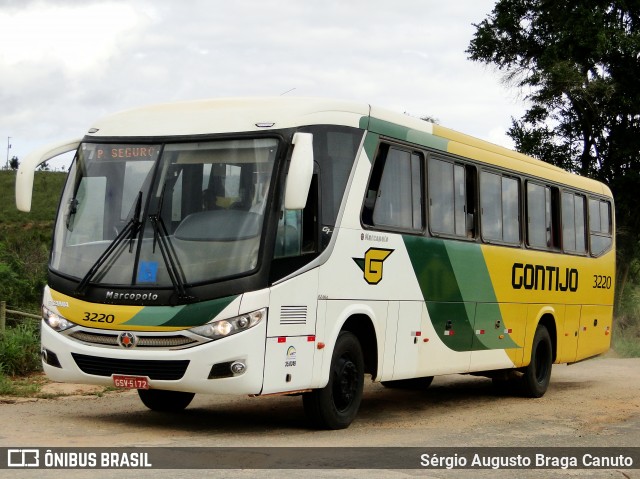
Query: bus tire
[(535, 379), (416, 384), (165, 401), (336, 405)]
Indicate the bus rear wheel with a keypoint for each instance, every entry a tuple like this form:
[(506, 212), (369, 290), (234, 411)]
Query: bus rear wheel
[(537, 375), (336, 405), (165, 401)]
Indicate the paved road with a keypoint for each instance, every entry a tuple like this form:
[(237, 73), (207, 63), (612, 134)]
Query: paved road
[(595, 403)]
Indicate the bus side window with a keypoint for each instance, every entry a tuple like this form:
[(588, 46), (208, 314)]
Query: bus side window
[(297, 231), (543, 225), (451, 198), (289, 236), (394, 195), (573, 223), (500, 208), (600, 226)]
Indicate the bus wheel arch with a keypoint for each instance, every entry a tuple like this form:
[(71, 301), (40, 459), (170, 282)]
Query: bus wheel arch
[(537, 375), (336, 405), (361, 326), (355, 352), (548, 321)]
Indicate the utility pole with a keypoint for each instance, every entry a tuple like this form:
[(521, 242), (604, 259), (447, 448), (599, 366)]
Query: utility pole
[(8, 148)]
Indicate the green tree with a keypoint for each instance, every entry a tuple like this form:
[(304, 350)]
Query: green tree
[(14, 163), (577, 64)]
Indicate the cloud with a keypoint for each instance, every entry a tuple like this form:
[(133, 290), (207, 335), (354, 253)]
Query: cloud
[(63, 64), (75, 38)]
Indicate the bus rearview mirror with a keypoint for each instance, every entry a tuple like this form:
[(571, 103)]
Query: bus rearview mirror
[(26, 169), (300, 172)]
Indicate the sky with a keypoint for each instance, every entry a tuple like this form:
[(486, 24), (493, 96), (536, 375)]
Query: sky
[(66, 63)]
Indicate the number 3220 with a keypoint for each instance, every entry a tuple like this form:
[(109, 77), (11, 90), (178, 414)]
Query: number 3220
[(98, 317), (601, 282)]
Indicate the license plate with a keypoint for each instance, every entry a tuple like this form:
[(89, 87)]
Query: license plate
[(130, 382)]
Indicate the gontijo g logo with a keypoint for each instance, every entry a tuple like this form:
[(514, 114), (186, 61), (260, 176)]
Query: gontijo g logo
[(371, 264)]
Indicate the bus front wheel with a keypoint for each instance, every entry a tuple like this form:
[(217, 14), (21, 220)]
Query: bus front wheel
[(537, 375), (165, 401), (335, 406)]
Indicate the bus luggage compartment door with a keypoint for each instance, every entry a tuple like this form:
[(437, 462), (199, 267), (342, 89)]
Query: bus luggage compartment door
[(594, 334), (288, 363)]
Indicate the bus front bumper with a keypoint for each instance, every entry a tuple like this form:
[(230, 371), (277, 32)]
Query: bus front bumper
[(205, 368)]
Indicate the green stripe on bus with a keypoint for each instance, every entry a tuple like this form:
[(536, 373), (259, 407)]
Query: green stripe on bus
[(489, 328), (456, 286), (433, 269), (200, 313), (470, 271), (186, 315), (408, 134), (453, 324), (371, 145), (154, 315)]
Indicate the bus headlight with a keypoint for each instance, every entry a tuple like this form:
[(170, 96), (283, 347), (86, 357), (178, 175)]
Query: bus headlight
[(227, 327), (55, 321)]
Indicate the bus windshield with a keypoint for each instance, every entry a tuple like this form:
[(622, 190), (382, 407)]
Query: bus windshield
[(163, 215)]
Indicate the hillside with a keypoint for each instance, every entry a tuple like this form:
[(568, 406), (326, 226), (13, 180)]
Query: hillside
[(25, 238), (46, 193)]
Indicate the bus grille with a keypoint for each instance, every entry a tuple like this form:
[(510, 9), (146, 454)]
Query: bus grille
[(162, 370), (292, 315), (108, 339)]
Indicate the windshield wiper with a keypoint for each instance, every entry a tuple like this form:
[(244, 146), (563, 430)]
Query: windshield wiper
[(169, 256), (129, 232), (72, 209)]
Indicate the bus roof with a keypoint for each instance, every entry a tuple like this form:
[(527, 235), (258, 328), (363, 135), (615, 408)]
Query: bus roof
[(227, 115), (415, 130)]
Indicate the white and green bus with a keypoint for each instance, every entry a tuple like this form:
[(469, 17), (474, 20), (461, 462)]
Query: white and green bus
[(293, 246)]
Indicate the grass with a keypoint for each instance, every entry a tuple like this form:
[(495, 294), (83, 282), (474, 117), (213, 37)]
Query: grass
[(626, 344), (627, 347), (47, 187), (25, 386), (19, 359), (32, 385), (626, 330), (20, 349), (20, 364)]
